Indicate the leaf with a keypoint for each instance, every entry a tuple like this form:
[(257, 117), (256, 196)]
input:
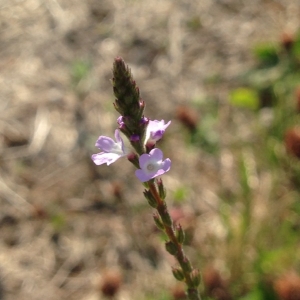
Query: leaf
[(245, 97), (267, 54), (180, 194)]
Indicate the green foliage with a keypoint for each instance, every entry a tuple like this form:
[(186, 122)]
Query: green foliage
[(80, 78), (244, 97), (263, 291), (272, 239), (296, 48), (161, 296), (58, 221), (206, 136), (194, 23), (180, 194), (256, 294), (80, 69), (267, 54)]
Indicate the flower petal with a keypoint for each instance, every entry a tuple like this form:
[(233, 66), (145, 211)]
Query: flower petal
[(105, 143), (156, 154), (117, 136), (120, 141), (166, 165), (142, 176), (103, 157), (111, 150), (156, 129), (144, 159)]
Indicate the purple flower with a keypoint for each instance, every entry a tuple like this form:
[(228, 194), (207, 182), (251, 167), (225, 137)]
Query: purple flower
[(134, 138), (120, 121), (144, 121), (155, 130), (152, 165), (111, 150)]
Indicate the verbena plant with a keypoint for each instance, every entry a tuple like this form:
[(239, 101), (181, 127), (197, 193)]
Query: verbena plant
[(143, 135)]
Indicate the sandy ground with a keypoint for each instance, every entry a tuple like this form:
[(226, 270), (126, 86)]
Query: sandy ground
[(65, 223)]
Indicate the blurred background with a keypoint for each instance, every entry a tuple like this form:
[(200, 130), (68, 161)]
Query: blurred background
[(226, 72)]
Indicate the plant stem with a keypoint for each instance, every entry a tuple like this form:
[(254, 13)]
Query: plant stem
[(188, 271)]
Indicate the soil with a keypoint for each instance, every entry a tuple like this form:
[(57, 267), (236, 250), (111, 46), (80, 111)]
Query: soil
[(67, 225)]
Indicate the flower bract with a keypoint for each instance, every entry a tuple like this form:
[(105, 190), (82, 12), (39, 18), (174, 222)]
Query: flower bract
[(111, 150), (152, 165)]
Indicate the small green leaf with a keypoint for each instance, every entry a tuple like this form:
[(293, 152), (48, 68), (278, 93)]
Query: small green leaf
[(80, 70), (296, 49), (254, 295), (244, 97), (267, 54), (180, 194), (58, 221)]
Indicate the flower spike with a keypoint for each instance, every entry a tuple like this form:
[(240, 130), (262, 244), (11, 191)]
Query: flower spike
[(143, 134)]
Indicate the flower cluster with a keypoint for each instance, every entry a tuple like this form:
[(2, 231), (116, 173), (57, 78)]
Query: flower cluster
[(141, 132), (151, 164)]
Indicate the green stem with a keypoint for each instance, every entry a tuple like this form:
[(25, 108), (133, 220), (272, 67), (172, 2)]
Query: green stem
[(183, 261)]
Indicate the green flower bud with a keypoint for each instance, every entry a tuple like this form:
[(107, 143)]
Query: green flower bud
[(186, 265), (193, 293), (158, 222), (125, 89), (133, 158), (151, 200), (196, 277), (178, 274), (171, 248), (180, 234), (165, 217), (161, 189)]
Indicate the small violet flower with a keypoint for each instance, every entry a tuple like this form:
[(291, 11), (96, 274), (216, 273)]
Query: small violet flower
[(155, 130), (111, 150), (152, 165), (120, 121), (134, 138)]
